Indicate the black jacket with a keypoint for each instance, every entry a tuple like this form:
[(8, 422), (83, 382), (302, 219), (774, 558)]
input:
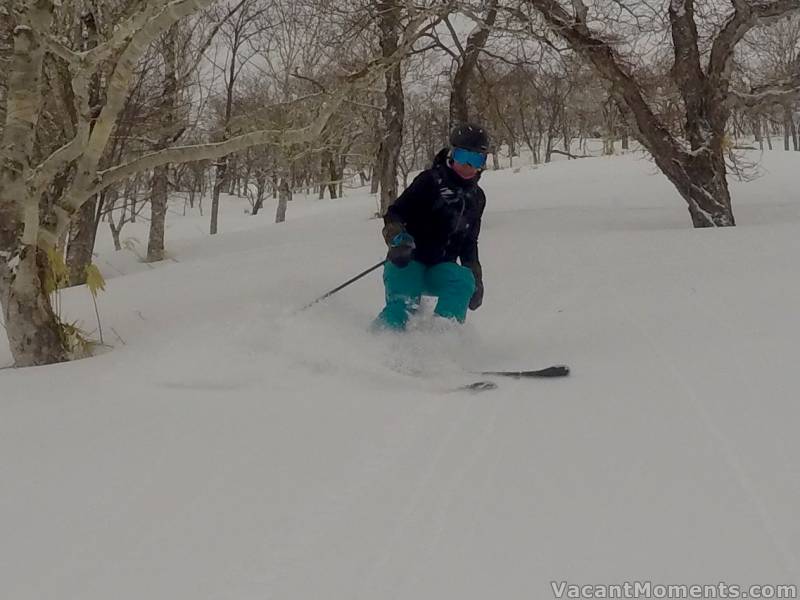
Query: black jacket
[(443, 212)]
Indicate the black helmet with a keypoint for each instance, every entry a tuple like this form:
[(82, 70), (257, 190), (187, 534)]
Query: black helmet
[(470, 137)]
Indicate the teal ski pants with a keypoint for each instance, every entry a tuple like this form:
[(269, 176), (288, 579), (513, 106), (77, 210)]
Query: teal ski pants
[(451, 283)]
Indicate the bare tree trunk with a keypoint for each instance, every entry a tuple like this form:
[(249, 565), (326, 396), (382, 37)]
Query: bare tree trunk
[(158, 213), (109, 217), (527, 136), (394, 111), (768, 131), (702, 181), (374, 181), (224, 164), (787, 127), (30, 324), (284, 195), (115, 234), (219, 182), (610, 122), (548, 149), (698, 175), (459, 108), (756, 124), (80, 246), (342, 166), (245, 180), (538, 138), (333, 183), (261, 190), (160, 184), (81, 243), (233, 175), (111, 196), (131, 189), (32, 327), (83, 232)]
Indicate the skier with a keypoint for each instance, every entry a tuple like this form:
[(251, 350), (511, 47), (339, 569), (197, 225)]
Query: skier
[(433, 223)]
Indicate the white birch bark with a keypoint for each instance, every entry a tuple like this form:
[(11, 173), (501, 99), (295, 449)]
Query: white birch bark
[(27, 313)]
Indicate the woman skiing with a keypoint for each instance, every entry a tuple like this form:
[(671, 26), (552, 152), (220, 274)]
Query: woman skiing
[(433, 224)]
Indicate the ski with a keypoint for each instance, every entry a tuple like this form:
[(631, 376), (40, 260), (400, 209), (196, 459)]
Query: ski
[(485, 385), (478, 386), (554, 371)]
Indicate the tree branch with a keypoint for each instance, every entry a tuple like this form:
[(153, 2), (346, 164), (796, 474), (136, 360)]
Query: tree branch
[(169, 13), (746, 15), (61, 51), (41, 176), (251, 120), (141, 13), (312, 81), (193, 153), (454, 35), (209, 39), (780, 92), (624, 88), (89, 181), (570, 155)]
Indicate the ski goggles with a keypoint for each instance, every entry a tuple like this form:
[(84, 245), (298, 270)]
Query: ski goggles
[(469, 157)]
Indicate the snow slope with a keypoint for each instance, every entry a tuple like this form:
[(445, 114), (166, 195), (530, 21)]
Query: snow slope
[(232, 448)]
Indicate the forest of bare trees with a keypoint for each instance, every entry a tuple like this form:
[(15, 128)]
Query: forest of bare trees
[(110, 108)]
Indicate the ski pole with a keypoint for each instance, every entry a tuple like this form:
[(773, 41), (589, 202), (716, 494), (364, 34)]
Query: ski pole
[(344, 285)]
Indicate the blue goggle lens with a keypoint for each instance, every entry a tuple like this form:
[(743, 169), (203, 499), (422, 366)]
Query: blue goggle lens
[(468, 157)]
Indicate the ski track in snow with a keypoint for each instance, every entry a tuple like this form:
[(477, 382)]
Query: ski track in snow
[(727, 447), (420, 527), (407, 516)]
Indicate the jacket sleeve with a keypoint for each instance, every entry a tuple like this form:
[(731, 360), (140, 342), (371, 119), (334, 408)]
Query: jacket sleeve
[(469, 249), (409, 204)]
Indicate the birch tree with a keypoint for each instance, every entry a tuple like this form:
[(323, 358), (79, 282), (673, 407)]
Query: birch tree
[(29, 230)]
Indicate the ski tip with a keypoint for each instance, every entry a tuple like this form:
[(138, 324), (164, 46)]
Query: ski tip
[(554, 371)]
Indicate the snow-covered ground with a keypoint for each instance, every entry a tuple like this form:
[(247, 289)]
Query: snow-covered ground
[(230, 448)]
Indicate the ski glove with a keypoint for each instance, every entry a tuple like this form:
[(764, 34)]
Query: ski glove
[(390, 231), (477, 296), (400, 249)]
